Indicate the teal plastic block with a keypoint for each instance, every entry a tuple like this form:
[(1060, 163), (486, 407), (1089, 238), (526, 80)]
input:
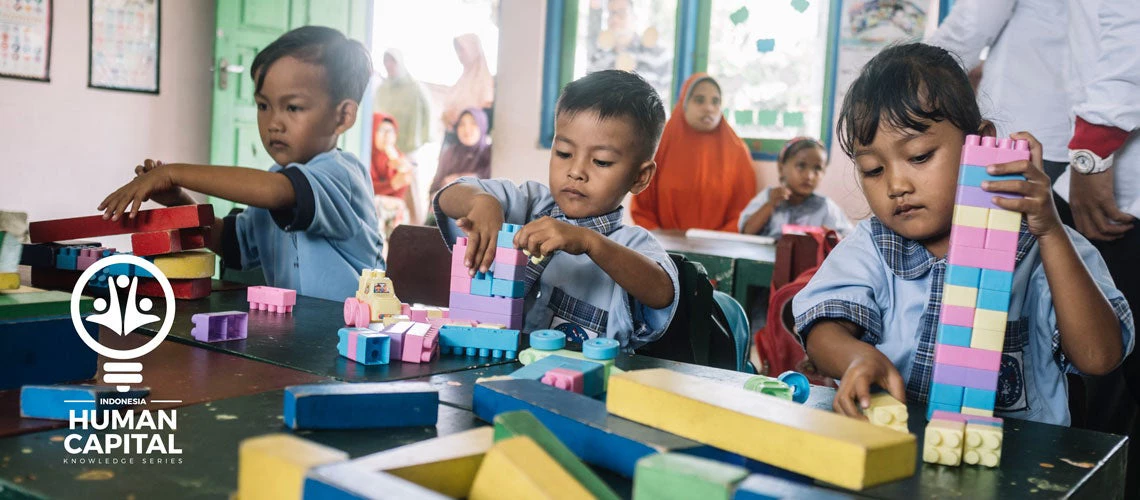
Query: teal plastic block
[(475, 341), (954, 335), (973, 175), (1001, 281), (507, 235), (946, 394), (979, 398), (963, 276), (371, 347), (507, 288), (481, 284), (593, 374), (993, 300)]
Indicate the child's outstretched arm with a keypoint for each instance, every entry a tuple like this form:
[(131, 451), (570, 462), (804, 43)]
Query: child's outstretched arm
[(833, 347), (480, 215), (258, 188), (1089, 328)]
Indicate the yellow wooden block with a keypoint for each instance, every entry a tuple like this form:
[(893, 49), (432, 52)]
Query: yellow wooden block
[(273, 466), (982, 445), (186, 265), (519, 468), (985, 319), (965, 215), (22, 289), (777, 432), (445, 464), (989, 340), (1004, 220), (961, 296), (886, 411), (943, 442), (9, 281), (966, 410)]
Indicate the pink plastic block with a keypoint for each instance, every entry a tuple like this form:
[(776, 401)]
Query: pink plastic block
[(965, 377), (967, 257), (957, 315), (974, 197), (277, 300), (88, 256), (420, 343), (405, 309), (997, 239), (973, 237), (986, 151), (967, 357), (460, 284), (565, 379), (512, 322), (510, 256), (419, 314), (457, 255), (959, 417), (220, 326), (462, 240), (508, 272), (497, 305), (1000, 260)]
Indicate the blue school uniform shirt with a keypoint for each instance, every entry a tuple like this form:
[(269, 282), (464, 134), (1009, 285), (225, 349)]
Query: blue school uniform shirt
[(319, 245), (574, 294), (892, 288), (816, 210)]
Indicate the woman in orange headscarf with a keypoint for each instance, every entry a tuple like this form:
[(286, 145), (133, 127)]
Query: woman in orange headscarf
[(704, 171)]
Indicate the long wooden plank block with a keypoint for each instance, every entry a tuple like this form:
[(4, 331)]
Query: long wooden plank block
[(157, 219), (518, 468), (45, 351), (39, 304), (169, 241), (825, 446)]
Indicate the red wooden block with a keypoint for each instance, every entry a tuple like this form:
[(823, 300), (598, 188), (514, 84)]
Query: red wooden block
[(146, 221), (169, 241), (183, 289)]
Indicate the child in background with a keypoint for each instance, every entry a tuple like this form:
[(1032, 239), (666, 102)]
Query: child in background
[(870, 315), (310, 225), (598, 278), (392, 175), (802, 163)]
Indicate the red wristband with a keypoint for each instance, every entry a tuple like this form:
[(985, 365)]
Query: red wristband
[(1102, 140)]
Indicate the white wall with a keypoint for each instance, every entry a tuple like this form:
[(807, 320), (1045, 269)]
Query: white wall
[(65, 146)]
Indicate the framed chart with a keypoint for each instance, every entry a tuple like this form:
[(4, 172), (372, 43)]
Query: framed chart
[(25, 39), (124, 43)]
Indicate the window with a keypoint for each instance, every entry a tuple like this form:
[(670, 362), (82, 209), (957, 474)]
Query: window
[(632, 35)]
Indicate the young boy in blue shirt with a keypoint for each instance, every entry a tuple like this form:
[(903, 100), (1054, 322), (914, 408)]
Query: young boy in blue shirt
[(598, 278), (310, 224)]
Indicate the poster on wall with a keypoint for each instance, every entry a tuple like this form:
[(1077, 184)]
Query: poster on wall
[(25, 39), (124, 44)]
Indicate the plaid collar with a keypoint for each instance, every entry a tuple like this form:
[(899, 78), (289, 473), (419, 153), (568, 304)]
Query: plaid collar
[(605, 223), (909, 260)]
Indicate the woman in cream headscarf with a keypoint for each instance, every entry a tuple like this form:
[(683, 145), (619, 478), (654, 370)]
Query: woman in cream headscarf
[(400, 96), (475, 87)]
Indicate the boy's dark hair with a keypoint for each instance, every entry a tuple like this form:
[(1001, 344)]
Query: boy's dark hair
[(346, 62), (618, 94), (910, 86)]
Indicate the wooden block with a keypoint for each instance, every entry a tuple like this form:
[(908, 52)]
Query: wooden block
[(987, 339), (671, 476), (183, 289), (186, 265), (985, 319), (521, 423), (157, 219), (169, 241), (970, 216), (959, 296), (335, 482), (1004, 220), (886, 411), (763, 487), (57, 402), (9, 281), (770, 430), (982, 444), (361, 406), (40, 304), (943, 442), (273, 466), (519, 468)]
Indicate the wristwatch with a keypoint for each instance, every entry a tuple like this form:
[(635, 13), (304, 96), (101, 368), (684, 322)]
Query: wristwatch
[(1087, 162)]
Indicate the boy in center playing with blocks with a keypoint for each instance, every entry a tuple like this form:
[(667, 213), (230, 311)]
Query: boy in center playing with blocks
[(596, 277)]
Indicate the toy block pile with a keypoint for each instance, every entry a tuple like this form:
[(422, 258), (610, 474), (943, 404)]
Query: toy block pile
[(13, 230), (380, 328), (584, 373), (975, 303), (494, 297)]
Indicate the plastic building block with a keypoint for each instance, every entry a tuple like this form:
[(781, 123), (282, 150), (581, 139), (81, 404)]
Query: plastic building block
[(974, 176), (534, 259), (9, 281), (510, 257), (968, 236), (458, 253), (886, 411), (417, 313), (765, 487), (169, 241), (768, 385), (979, 257), (593, 373), (128, 269), (992, 279), (959, 296), (997, 239), (778, 433), (514, 322), (1004, 220), (965, 377), (508, 272), (970, 216), (186, 265), (565, 379), (975, 197), (273, 466), (517, 468), (966, 410), (146, 221), (481, 285), (979, 398), (420, 343), (943, 442), (521, 423), (505, 288), (547, 340), (472, 341), (275, 300), (600, 349), (950, 395), (67, 258), (361, 406), (340, 481), (986, 151), (987, 339), (669, 476), (220, 326), (395, 333), (981, 359), (933, 407), (958, 417), (364, 346), (497, 305), (983, 444), (58, 402), (88, 256), (985, 319), (993, 300), (958, 316), (963, 276), (507, 234), (375, 299), (183, 289), (954, 335), (41, 304)]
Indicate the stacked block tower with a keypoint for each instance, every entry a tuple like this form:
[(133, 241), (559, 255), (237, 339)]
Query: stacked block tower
[(495, 297), (975, 306)]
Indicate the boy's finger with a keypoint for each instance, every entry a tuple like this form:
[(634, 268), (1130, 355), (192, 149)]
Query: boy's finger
[(1017, 187), (1013, 167), (1101, 218), (847, 405), (863, 394), (489, 254), (136, 206), (894, 385), (1013, 204)]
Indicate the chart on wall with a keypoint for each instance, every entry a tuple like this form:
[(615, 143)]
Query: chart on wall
[(124, 45), (25, 39)]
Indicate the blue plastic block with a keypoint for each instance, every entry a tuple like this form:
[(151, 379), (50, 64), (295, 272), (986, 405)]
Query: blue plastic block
[(600, 349), (128, 269), (505, 288), (372, 347), (45, 350), (361, 406), (475, 341), (979, 398), (932, 406), (973, 175), (481, 284), (763, 487), (946, 394), (993, 300), (507, 235), (954, 335), (1001, 281), (547, 340), (963, 276), (67, 258), (56, 402), (593, 374), (350, 481)]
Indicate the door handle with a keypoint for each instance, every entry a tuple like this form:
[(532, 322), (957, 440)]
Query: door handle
[(224, 74)]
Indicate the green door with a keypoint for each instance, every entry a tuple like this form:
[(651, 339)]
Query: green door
[(243, 28)]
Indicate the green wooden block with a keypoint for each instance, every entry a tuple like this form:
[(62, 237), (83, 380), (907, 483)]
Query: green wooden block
[(39, 304), (523, 423), (667, 476)]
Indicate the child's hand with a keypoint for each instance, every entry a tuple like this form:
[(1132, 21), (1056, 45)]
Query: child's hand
[(482, 226), (1037, 204), (130, 197), (172, 197), (544, 236), (854, 393), (778, 195)]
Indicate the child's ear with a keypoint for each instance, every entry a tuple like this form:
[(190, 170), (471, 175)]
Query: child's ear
[(346, 115), (644, 175), (987, 129)]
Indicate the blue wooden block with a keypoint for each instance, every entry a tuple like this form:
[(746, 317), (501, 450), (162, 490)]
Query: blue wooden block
[(979, 398), (585, 426), (56, 402), (946, 394), (507, 288), (475, 341), (1001, 281), (507, 235), (372, 347), (763, 487), (361, 406), (593, 374), (954, 335), (67, 258), (45, 350), (993, 300), (349, 481), (963, 276), (973, 175), (932, 406), (481, 284)]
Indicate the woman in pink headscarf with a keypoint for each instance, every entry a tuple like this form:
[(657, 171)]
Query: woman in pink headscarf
[(475, 87)]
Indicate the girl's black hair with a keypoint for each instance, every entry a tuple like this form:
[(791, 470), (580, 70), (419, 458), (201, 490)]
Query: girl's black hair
[(910, 86), (795, 145)]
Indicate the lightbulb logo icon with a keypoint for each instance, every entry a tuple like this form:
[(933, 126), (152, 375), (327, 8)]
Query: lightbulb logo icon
[(122, 319)]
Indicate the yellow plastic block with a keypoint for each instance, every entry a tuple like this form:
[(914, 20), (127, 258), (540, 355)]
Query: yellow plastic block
[(985, 319), (965, 215), (273, 466), (435, 312), (989, 340), (519, 468), (186, 265), (393, 319), (962, 296), (983, 445), (967, 410), (777, 432), (886, 411), (1004, 220), (943, 443), (445, 464), (9, 281)]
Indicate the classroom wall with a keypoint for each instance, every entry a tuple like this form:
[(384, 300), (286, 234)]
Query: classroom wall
[(65, 146)]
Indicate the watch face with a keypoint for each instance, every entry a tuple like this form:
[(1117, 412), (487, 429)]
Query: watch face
[(1083, 162)]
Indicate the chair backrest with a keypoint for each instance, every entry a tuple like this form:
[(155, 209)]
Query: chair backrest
[(419, 264), (736, 321), (699, 332)]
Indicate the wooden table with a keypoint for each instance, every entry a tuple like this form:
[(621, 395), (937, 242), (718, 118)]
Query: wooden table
[(734, 266)]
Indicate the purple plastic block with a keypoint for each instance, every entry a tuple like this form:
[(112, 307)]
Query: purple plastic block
[(997, 239), (508, 272), (510, 256), (974, 197), (512, 322), (965, 377), (957, 316), (497, 305), (967, 236), (986, 151), (220, 326)]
